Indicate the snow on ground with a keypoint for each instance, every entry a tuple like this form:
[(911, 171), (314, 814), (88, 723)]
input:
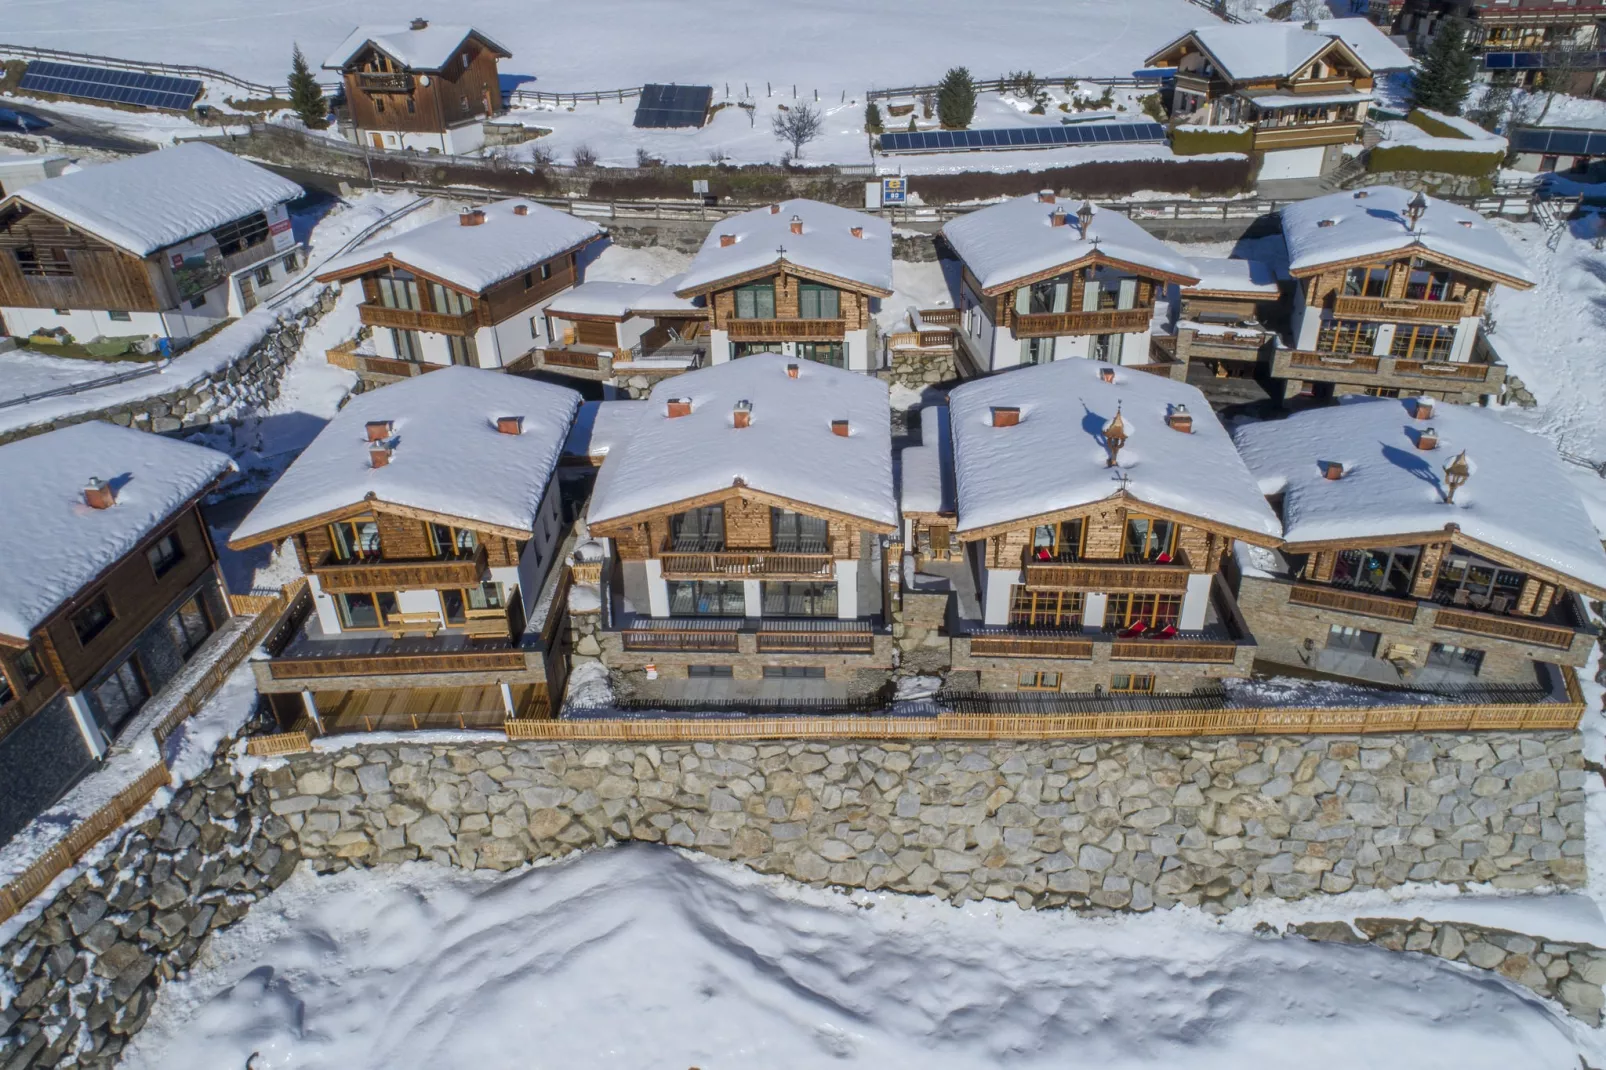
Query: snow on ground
[(836, 45), (156, 127), (638, 957), (606, 262)]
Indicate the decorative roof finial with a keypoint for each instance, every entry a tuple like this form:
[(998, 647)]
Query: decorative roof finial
[(1114, 436), (1414, 210), (1084, 217), (1456, 473)]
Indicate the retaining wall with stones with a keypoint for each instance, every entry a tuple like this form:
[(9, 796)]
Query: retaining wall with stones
[(1112, 825)]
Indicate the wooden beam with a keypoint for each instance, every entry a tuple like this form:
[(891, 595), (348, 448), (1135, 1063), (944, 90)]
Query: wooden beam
[(374, 505), (718, 497), (777, 267), (1094, 257), (1132, 502)]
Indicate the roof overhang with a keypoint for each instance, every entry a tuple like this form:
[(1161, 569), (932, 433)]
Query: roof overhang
[(369, 42), (1413, 249), (353, 271), (752, 494), (1125, 499), (1094, 258), (775, 267), (368, 505)]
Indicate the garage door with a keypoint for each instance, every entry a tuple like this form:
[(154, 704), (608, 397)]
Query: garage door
[(1293, 163)]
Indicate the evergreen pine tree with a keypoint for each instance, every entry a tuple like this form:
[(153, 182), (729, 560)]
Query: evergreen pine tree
[(912, 126), (306, 95), (872, 118), (956, 99), (1445, 77)]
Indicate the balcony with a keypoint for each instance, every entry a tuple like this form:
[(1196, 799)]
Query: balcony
[(1497, 626), (1024, 643), (1131, 574), (717, 636), (1268, 139), (1367, 605), (384, 82), (1053, 324), (1410, 374), (791, 330), (407, 319), (815, 637), (384, 575), (1322, 85), (745, 564), (1392, 310), (304, 661), (1179, 649)]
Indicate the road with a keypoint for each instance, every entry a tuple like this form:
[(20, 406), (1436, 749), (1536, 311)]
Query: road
[(70, 130)]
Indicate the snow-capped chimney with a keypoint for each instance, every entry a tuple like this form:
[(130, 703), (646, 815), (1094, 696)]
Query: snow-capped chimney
[(775, 209), (378, 429), (1107, 374), (1422, 409), (1428, 439), (510, 425), (98, 494), (1180, 419), (742, 414), (1045, 196), (378, 456), (677, 407), (521, 209), (1006, 415), (1334, 470), (797, 224), (727, 240), (840, 428), (471, 218), (420, 24), (1058, 217), (857, 232), (791, 371)]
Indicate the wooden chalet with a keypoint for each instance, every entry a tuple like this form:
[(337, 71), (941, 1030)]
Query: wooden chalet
[(1096, 506), (427, 518), (462, 290), (162, 246), (742, 515), (1430, 546), (421, 87), (1300, 92), (800, 278), (1391, 291), (1229, 321), (110, 586), (628, 335), (1550, 43)]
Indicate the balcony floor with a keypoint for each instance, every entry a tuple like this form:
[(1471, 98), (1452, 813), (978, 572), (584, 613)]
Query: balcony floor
[(312, 642)]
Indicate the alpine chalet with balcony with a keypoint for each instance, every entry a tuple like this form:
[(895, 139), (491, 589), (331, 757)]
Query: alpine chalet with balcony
[(628, 335), (427, 518), (163, 246), (1391, 291), (1550, 43)]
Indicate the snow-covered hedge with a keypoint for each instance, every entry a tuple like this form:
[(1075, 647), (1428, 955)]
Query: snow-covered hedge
[(1200, 140), (1431, 141)]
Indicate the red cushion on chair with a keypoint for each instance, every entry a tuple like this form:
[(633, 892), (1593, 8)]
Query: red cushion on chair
[(1168, 632), (1163, 559), (1137, 628)]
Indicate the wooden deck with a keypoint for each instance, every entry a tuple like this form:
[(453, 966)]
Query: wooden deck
[(407, 710)]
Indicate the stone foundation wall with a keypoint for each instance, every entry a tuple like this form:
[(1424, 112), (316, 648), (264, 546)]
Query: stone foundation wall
[(1109, 825), (920, 368)]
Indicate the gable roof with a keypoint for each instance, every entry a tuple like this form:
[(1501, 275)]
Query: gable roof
[(1003, 244), (1231, 275), (826, 246), (426, 49), (145, 203), (1054, 459), (1518, 498), (788, 451), (449, 460), (55, 544), (1371, 221), (473, 258), (613, 300), (1260, 50)]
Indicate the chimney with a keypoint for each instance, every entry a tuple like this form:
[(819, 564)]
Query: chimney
[(1428, 439), (1045, 196), (1422, 409), (420, 24), (378, 456), (521, 209), (857, 232), (1180, 419), (1107, 374), (677, 407), (775, 209), (1326, 222), (742, 414), (510, 425), (1334, 470), (378, 429), (1006, 415), (791, 371), (727, 240), (98, 494), (797, 224), (471, 218), (840, 428), (1058, 217)]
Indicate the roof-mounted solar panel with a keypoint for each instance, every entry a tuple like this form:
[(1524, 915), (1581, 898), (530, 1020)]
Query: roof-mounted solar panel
[(106, 84), (665, 106), (1021, 137)]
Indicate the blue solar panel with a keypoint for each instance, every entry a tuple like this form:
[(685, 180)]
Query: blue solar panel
[(1533, 61), (102, 83), (1021, 137), (1558, 142), (673, 105)]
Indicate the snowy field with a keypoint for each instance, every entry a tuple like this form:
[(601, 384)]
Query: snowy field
[(831, 45)]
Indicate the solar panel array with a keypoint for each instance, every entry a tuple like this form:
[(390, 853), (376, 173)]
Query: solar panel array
[(1533, 61), (1022, 137), (1559, 142), (673, 105), (103, 83)]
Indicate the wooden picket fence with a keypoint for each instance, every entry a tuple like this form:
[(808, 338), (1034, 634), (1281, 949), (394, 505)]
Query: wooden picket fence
[(279, 744)]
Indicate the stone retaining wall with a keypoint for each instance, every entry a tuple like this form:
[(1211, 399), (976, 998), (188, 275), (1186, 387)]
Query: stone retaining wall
[(1109, 825)]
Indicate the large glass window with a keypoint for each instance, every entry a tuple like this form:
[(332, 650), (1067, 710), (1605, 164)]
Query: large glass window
[(190, 626), (1371, 281), (1153, 610), (816, 302), (120, 694), (1347, 337), (1422, 341), (1107, 348), (1455, 658), (481, 600), (799, 599), (797, 533), (831, 353), (448, 543), (1150, 539), (1427, 282), (355, 540), (1045, 609), (450, 301), (1353, 640), (756, 301), (1472, 581), (707, 598), (701, 529), (462, 351), (1058, 542), (362, 609), (1386, 571), (92, 619), (398, 291), (407, 344), (1037, 350)]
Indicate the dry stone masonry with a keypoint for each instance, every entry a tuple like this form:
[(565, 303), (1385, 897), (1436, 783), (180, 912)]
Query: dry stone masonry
[(1107, 826)]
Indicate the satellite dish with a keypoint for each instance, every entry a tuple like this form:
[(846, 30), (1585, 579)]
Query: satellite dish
[(423, 79)]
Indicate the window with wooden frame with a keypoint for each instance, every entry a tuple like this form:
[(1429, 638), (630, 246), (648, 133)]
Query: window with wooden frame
[(398, 290), (42, 262), (164, 553), (462, 351), (1477, 583), (448, 543), (241, 234), (1371, 280), (26, 669), (449, 301), (1148, 538), (829, 353), (366, 610), (1387, 570), (1059, 542), (546, 271), (482, 601), (1038, 681), (1428, 282), (798, 533), (92, 618), (756, 301), (189, 626), (355, 540), (1128, 683), (121, 694), (1421, 341), (1045, 609), (707, 598), (699, 530), (264, 275), (817, 302), (1353, 640), (783, 598), (1156, 610), (1347, 338), (1381, 391), (6, 691)]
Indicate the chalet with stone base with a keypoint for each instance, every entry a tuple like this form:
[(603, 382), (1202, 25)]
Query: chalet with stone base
[(628, 335), (427, 518), (1425, 545)]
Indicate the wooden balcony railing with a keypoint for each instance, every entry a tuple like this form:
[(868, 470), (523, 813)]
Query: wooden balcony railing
[(671, 640), (312, 667), (1341, 367), (1218, 653), (789, 330), (1391, 309), (748, 563), (401, 575), (384, 82), (1288, 137), (1443, 369), (408, 319), (1367, 605), (1497, 627), (1357, 364), (939, 317), (585, 360), (1107, 576), (816, 642), (1112, 321), (1030, 646), (1321, 85)]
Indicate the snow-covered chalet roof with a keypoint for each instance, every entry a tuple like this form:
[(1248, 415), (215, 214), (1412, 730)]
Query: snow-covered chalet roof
[(788, 450), (1259, 50), (612, 299), (1372, 222), (662, 298), (474, 258), (144, 203), (426, 49), (1005, 243), (826, 246), (1517, 499), (599, 427), (449, 459), (1055, 457), (927, 484), (1220, 274), (55, 544)]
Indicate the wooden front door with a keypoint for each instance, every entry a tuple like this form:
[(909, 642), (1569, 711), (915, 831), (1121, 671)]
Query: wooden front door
[(378, 139)]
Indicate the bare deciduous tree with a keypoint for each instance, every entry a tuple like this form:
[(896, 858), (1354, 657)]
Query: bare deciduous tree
[(797, 126)]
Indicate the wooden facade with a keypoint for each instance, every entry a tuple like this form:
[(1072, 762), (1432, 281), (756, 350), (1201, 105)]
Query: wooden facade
[(788, 323), (44, 263), (383, 94)]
